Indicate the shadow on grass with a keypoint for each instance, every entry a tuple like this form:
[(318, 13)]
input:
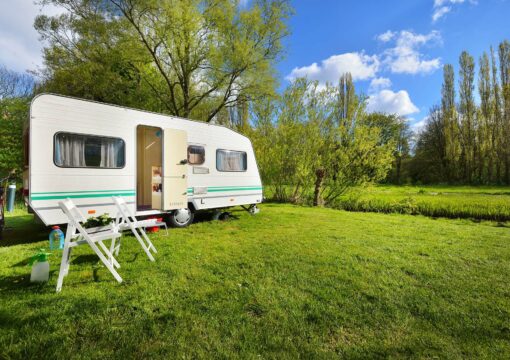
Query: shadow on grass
[(8, 321), (19, 282), (91, 259), (22, 230), (23, 262)]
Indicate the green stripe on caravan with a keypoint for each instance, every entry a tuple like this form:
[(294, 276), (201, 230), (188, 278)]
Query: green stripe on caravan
[(83, 192), (231, 188), (108, 193), (80, 196)]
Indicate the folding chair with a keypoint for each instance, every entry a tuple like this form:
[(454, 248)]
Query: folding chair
[(127, 220), (76, 235)]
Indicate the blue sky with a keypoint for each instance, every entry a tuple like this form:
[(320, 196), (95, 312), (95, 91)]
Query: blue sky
[(394, 49), (402, 44)]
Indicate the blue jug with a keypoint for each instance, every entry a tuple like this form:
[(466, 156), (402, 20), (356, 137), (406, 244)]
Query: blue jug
[(56, 237)]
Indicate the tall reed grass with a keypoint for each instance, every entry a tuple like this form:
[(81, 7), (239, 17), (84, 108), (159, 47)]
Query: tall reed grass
[(448, 202)]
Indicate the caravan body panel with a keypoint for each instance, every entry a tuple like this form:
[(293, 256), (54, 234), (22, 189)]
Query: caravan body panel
[(92, 188)]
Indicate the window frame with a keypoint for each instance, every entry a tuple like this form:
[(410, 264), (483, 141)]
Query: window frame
[(187, 154), (238, 151), (88, 167)]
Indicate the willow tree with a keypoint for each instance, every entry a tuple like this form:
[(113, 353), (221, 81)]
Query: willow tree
[(193, 57), (309, 151)]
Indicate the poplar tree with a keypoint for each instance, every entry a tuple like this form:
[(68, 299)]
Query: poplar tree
[(467, 112), (504, 66), (451, 151), (469, 143), (498, 121), (348, 100), (486, 124)]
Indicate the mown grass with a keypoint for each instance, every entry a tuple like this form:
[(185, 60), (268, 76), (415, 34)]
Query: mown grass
[(290, 282), (481, 203)]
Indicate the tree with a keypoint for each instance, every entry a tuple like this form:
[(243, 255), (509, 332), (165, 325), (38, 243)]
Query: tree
[(430, 164), (451, 126), (504, 66), (305, 145), (194, 58), (348, 100), (13, 116), (287, 140), (486, 126), (13, 84), (467, 112), (394, 129), (483, 153), (498, 121), (15, 93)]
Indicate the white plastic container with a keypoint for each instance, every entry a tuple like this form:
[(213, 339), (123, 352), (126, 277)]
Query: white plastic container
[(40, 272), (40, 268)]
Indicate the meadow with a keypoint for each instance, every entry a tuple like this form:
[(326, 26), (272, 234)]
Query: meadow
[(465, 202), (290, 282)]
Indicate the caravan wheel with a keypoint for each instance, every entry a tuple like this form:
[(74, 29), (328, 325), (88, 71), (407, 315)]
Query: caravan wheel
[(181, 218)]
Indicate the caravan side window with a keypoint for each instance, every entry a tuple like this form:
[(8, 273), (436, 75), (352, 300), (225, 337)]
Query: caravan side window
[(82, 151), (196, 155), (230, 160)]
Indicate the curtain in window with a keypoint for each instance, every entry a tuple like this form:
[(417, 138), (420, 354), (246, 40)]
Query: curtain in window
[(231, 160), (111, 153), (196, 155), (70, 150), (74, 150)]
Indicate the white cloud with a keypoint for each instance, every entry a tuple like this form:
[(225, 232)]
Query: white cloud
[(390, 102), (360, 65), (443, 7), (19, 43), (418, 127), (440, 12), (378, 84), (387, 36), (438, 3), (405, 57)]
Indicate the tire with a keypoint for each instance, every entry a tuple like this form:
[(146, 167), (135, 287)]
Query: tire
[(224, 216), (180, 218)]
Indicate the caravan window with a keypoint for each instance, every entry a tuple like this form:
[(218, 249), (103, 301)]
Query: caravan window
[(81, 151), (230, 160), (196, 155)]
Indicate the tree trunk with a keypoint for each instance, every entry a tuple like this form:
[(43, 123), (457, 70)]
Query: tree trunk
[(507, 171), (317, 200), (489, 170), (399, 169)]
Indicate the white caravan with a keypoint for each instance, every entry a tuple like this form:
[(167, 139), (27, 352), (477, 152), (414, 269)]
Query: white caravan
[(88, 152)]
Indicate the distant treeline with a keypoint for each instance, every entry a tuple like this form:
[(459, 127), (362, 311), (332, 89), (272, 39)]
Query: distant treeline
[(467, 141)]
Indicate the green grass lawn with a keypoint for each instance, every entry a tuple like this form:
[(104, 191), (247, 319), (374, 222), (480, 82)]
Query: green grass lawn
[(482, 203), (289, 282)]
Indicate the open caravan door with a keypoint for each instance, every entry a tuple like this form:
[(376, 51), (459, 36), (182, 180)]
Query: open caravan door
[(175, 171)]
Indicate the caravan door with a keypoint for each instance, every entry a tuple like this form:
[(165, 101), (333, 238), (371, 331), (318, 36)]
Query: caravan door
[(175, 170)]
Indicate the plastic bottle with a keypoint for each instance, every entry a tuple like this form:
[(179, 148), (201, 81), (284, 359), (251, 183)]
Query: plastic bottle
[(40, 267), (11, 195), (56, 236)]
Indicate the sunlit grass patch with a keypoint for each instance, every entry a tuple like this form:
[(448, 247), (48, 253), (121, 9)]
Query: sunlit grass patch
[(289, 282), (481, 203)]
